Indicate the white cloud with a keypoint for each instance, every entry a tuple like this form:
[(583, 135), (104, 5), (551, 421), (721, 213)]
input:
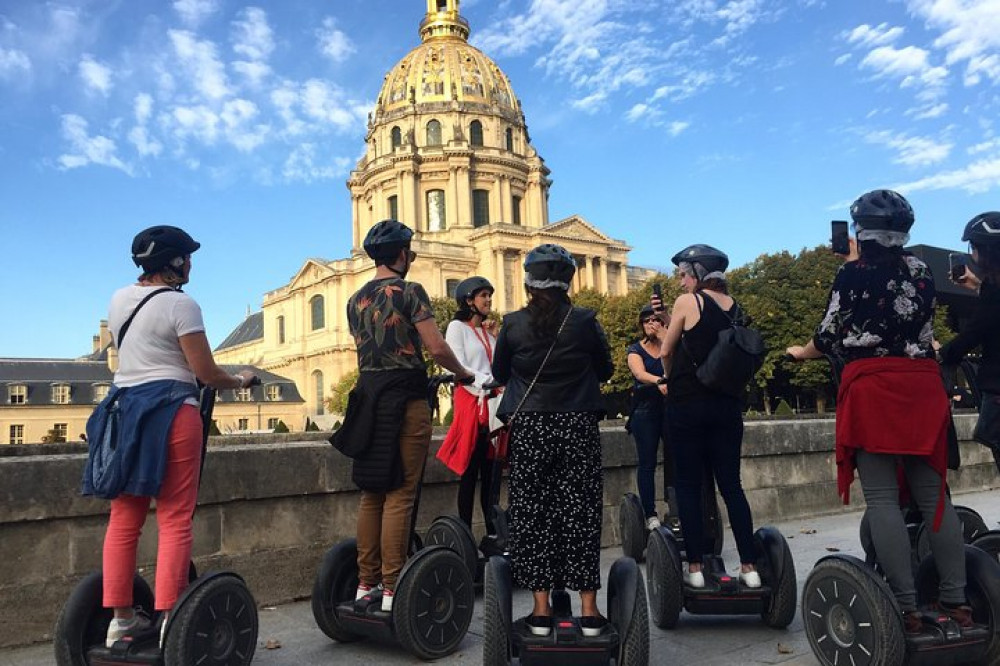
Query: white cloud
[(976, 178), (253, 72), (691, 84), (194, 12), (591, 103), (302, 165), (252, 36), (95, 75), (323, 101), (984, 147), (238, 117), (143, 105), (676, 127), (912, 151), (86, 149), (199, 122), (13, 62), (935, 111), (333, 43), (866, 36), (911, 65), (842, 59), (638, 112), (200, 60), (971, 33), (144, 144)]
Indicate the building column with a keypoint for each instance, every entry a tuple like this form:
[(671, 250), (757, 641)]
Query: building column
[(451, 218), (500, 287), (356, 216), (591, 272), (605, 287), (505, 201), (463, 214)]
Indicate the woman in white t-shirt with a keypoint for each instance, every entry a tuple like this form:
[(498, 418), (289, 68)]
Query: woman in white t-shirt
[(465, 450), (164, 354)]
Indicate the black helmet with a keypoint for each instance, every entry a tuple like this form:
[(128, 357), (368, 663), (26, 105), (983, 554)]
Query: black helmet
[(468, 288), (883, 210), (645, 311), (550, 262), (155, 247), (386, 238), (707, 256), (983, 229)]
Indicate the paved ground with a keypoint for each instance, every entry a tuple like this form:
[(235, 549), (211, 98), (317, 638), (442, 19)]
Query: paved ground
[(697, 641)]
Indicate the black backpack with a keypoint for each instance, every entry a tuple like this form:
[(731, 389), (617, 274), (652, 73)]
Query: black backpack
[(736, 356)]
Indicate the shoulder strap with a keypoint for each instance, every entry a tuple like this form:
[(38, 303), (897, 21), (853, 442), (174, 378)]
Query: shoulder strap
[(128, 322)]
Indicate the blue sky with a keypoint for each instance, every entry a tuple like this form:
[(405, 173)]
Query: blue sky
[(746, 124)]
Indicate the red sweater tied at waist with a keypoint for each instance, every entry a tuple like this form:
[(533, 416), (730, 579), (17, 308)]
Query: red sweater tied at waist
[(895, 406)]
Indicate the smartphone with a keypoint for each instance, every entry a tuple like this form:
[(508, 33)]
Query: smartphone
[(957, 261), (839, 238), (658, 292)]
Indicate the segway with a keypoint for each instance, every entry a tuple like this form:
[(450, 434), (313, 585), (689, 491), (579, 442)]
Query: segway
[(214, 622), (723, 594), (434, 596), (632, 519), (624, 641), (851, 615)]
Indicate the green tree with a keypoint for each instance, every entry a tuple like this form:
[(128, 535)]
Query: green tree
[(281, 427), (337, 402)]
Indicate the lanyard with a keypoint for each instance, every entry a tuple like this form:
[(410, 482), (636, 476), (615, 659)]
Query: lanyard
[(484, 340)]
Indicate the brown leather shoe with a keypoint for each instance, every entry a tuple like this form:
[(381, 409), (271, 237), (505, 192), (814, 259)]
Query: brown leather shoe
[(961, 615), (912, 623)]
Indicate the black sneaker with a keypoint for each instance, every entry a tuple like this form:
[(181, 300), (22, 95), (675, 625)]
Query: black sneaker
[(539, 625), (593, 626)]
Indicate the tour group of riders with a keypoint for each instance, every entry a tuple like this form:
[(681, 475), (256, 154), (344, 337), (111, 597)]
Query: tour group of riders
[(550, 358)]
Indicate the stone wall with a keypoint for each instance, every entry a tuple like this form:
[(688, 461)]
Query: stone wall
[(269, 508)]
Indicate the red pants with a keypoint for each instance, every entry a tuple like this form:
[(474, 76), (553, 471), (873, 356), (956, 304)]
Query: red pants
[(174, 511)]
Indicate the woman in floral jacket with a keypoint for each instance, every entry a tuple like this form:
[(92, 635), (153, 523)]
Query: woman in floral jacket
[(892, 409)]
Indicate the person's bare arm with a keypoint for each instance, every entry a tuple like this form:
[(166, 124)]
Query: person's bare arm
[(683, 307), (199, 357), (804, 352), (436, 346)]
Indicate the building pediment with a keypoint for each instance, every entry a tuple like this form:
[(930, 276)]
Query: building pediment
[(576, 228), (312, 271)]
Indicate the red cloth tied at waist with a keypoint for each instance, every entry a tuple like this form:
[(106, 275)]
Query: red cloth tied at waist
[(893, 406), (469, 414)]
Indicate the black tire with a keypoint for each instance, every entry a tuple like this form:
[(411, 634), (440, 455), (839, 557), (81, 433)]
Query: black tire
[(453, 533), (336, 582), (982, 588), (973, 526), (632, 524), (216, 625), (990, 542), (83, 621), (634, 649), (780, 611), (666, 582), (434, 604), (846, 608), (496, 633)]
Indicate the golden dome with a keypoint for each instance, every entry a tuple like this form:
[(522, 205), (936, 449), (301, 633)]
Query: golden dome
[(445, 68)]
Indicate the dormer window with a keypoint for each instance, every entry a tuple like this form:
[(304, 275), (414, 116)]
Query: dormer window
[(60, 394), (273, 392), (242, 395), (17, 394), (101, 391)]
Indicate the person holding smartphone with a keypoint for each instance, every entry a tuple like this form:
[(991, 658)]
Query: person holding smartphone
[(892, 409), (983, 235)]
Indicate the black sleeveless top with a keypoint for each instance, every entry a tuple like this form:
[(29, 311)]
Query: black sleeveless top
[(693, 349)]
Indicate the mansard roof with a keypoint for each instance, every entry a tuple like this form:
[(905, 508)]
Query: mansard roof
[(249, 330)]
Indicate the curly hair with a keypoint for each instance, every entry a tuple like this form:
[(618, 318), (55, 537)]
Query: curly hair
[(546, 307)]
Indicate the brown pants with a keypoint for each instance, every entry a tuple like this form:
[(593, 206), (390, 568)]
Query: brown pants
[(384, 518)]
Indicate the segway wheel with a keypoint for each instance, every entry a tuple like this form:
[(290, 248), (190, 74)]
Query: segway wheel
[(666, 583), (973, 526), (496, 619), (453, 533), (336, 582), (982, 589), (634, 648), (216, 625), (84, 621), (780, 610), (632, 524), (434, 604), (850, 615), (990, 542)]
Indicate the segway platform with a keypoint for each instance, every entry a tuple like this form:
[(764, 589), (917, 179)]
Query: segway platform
[(851, 616)]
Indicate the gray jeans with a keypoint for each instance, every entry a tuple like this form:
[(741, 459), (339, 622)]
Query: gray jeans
[(888, 529)]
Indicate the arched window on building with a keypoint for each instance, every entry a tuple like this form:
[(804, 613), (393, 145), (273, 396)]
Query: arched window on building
[(394, 207), (476, 133), (318, 406), (436, 218), (281, 329), (433, 133), (510, 139), (397, 137), (515, 210), (480, 208), (317, 312)]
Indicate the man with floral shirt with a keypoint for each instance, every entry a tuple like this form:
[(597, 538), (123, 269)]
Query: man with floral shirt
[(391, 321)]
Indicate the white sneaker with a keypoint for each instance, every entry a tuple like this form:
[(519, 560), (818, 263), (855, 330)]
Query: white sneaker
[(751, 579), (364, 590), (694, 579), (119, 629), (387, 601), (652, 523)]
